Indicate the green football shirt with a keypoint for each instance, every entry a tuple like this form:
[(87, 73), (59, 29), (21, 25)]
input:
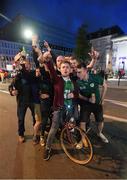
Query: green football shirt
[(87, 87), (68, 88)]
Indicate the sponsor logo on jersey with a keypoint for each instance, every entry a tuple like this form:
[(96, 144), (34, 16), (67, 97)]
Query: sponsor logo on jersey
[(92, 85)]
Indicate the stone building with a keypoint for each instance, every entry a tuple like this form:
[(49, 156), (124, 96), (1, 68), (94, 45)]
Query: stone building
[(102, 41)]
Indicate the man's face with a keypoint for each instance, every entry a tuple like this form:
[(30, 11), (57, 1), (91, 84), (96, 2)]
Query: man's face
[(74, 64), (37, 72), (65, 69), (27, 66), (59, 60), (81, 73)]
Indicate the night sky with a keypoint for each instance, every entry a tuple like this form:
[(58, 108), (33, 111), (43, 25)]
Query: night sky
[(70, 14)]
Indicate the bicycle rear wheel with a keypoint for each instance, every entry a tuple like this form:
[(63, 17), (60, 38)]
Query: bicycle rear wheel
[(70, 139)]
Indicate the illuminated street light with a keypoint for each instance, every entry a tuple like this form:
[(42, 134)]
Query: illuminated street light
[(28, 34)]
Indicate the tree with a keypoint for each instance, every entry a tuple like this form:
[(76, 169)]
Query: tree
[(82, 44)]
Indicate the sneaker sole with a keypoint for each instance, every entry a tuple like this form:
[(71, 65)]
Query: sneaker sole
[(46, 159), (106, 142), (42, 144)]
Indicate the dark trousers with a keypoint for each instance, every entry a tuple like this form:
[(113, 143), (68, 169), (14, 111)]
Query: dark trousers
[(21, 112), (45, 113), (87, 109)]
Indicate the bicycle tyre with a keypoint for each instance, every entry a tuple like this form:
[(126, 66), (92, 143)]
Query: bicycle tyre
[(69, 148)]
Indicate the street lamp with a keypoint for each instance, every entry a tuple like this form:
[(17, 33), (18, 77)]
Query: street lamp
[(28, 33)]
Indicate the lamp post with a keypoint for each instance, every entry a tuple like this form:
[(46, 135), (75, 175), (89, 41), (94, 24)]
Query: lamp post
[(28, 33)]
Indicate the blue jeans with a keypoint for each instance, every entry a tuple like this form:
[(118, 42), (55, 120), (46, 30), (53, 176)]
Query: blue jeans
[(57, 121)]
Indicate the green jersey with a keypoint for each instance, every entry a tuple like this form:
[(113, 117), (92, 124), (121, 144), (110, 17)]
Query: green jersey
[(68, 88), (90, 86)]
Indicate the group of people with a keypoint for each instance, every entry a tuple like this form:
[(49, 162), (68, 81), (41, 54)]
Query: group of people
[(58, 85)]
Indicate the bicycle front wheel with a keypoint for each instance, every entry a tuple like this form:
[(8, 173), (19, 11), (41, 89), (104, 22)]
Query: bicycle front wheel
[(76, 145)]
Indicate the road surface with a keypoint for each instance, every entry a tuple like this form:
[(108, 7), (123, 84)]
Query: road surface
[(26, 161)]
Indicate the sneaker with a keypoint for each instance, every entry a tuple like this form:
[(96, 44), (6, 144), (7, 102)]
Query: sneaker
[(103, 138), (47, 154), (79, 145), (21, 139), (42, 141), (35, 140)]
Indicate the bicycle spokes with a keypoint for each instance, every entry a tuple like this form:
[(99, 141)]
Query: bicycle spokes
[(76, 145)]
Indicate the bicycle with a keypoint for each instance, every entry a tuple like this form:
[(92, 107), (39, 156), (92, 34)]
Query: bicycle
[(70, 136)]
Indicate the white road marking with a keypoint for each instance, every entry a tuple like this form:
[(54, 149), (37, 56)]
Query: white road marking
[(120, 103), (115, 118), (4, 91)]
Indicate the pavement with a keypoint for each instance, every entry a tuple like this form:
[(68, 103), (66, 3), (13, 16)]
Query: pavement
[(113, 83), (4, 86), (25, 161)]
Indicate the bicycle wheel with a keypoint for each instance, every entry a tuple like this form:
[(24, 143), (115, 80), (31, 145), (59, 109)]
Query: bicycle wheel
[(70, 139)]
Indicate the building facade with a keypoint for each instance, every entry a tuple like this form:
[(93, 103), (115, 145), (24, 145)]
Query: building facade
[(119, 53), (9, 49), (12, 38), (14, 31), (103, 45), (102, 42)]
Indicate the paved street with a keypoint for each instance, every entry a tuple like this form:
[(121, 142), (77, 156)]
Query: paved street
[(25, 160)]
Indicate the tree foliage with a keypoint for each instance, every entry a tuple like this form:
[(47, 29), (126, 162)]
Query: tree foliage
[(82, 44)]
